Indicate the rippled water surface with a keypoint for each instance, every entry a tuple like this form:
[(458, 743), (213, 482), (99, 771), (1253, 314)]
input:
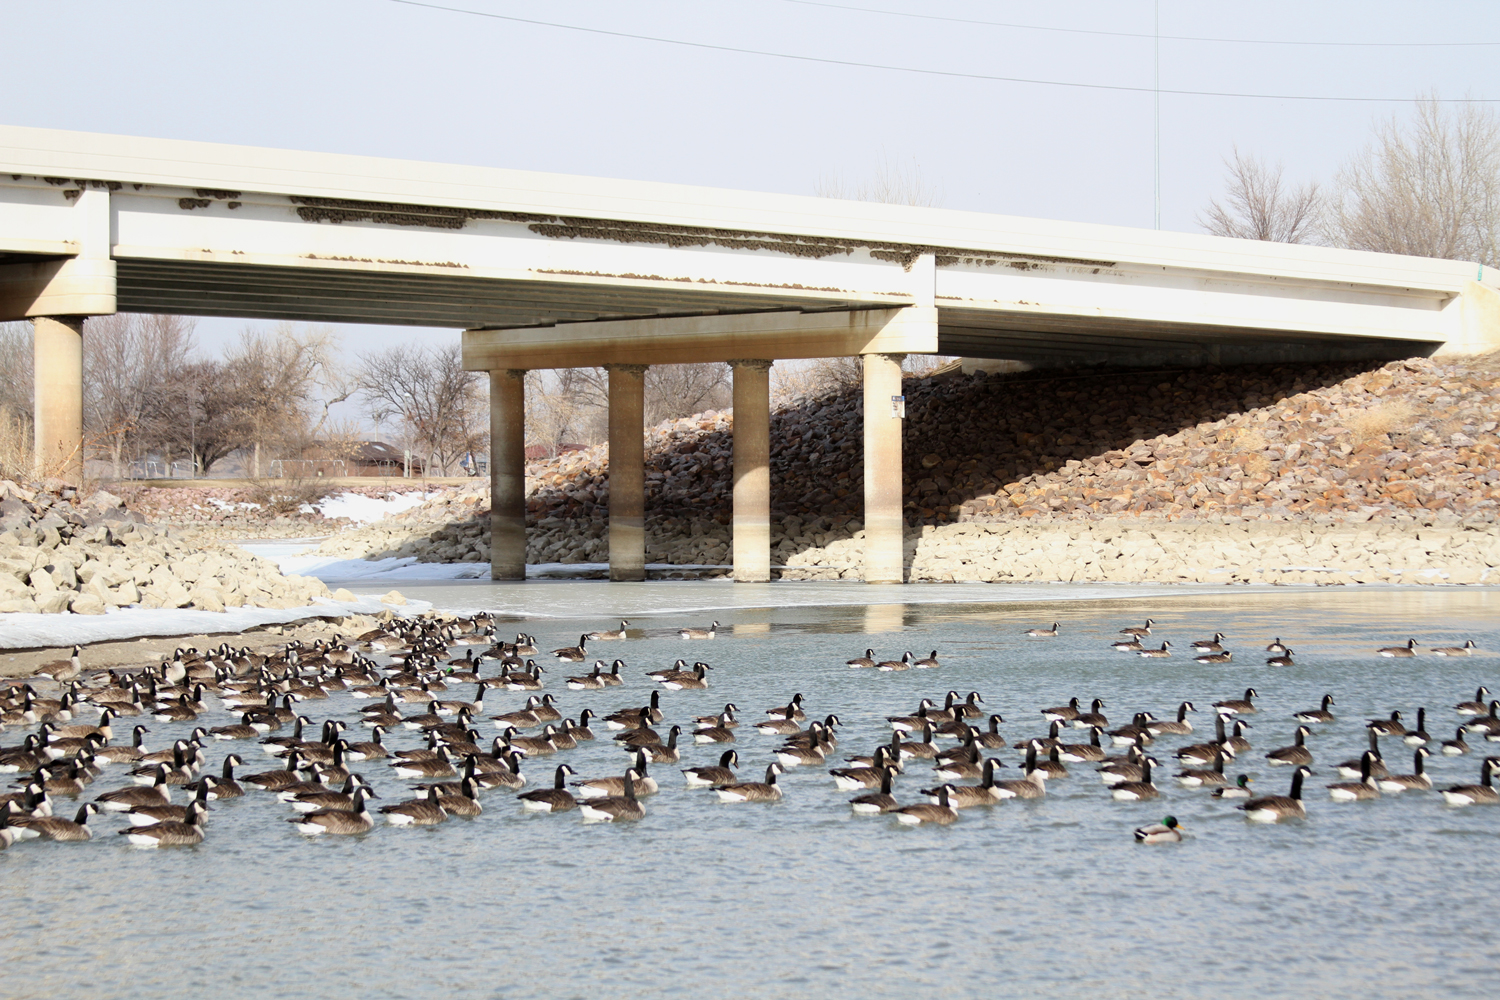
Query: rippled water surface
[(803, 899)]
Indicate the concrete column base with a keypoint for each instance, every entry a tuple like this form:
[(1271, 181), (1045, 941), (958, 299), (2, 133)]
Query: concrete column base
[(884, 524), (58, 405), (752, 471), (627, 472), (508, 474)]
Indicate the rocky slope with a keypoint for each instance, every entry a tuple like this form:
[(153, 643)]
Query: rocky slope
[(63, 552), (1412, 443)]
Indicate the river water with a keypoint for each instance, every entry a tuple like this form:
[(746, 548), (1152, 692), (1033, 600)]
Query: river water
[(804, 899)]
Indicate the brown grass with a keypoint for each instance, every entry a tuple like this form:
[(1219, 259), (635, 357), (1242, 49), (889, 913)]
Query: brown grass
[(1379, 420), (16, 453)]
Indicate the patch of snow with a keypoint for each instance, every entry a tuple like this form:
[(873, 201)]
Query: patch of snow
[(29, 631), (227, 505), (362, 509)]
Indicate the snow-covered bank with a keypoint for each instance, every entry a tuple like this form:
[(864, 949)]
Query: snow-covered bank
[(28, 631)]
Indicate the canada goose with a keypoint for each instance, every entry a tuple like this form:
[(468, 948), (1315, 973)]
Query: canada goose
[(1165, 650), (147, 815), (889, 666), (882, 801), (1362, 790), (1417, 737), (1062, 713), (1137, 732), (248, 729), (1408, 650), (923, 749), (1488, 724), (611, 808), (595, 788), (696, 681), (463, 802), (1235, 706), (62, 670), (1237, 741), (170, 833), (1221, 657), (581, 731), (1204, 753), (679, 668), (588, 682), (862, 662), (529, 679), (371, 749), (792, 710), (719, 733), (1353, 768), (525, 645), (1168, 831), (1275, 808), (224, 786), (1137, 791), (753, 791), (699, 633), (968, 796), (1281, 660), (1093, 717), (1144, 630), (520, 719), (1054, 728), (1043, 633), (551, 800), (1214, 645), (636, 718), (1031, 785), (1127, 646), (55, 827), (534, 746), (573, 654), (1239, 790), (339, 822), (125, 799), (122, 754), (1319, 714), (940, 814), (957, 768), (1203, 777), (1482, 794), (991, 738), (1475, 707), (929, 662), (440, 766), (1387, 727), (666, 753), (1467, 649), (80, 731), (814, 750), (612, 679), (1167, 727), (426, 811), (641, 736), (849, 779), (1081, 753), (709, 776), (1395, 784), (315, 800), (1457, 746), (1295, 754), (912, 723), (606, 636)]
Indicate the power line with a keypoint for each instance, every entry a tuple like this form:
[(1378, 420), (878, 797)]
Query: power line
[(1126, 34), (952, 74)]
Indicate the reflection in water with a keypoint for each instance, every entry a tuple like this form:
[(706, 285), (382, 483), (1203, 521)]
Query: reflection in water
[(802, 898)]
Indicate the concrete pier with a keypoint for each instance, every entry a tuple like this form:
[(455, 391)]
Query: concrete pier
[(883, 520), (627, 472), (508, 474), (59, 398), (752, 471)]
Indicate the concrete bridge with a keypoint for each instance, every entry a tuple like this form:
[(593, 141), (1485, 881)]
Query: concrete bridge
[(552, 271)]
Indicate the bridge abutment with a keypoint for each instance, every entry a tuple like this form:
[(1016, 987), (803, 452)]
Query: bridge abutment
[(883, 486)]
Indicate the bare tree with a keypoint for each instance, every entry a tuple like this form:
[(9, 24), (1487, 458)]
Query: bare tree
[(892, 184), (132, 364), (439, 401), (1256, 206), (282, 378), (1429, 187)]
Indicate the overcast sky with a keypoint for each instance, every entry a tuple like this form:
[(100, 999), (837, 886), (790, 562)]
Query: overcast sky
[(387, 78)]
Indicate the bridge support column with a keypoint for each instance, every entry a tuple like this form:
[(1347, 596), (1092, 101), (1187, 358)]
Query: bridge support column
[(58, 405), (627, 472), (752, 471), (884, 546), (508, 474)]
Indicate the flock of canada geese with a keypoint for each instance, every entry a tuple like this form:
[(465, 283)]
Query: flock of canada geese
[(407, 677)]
